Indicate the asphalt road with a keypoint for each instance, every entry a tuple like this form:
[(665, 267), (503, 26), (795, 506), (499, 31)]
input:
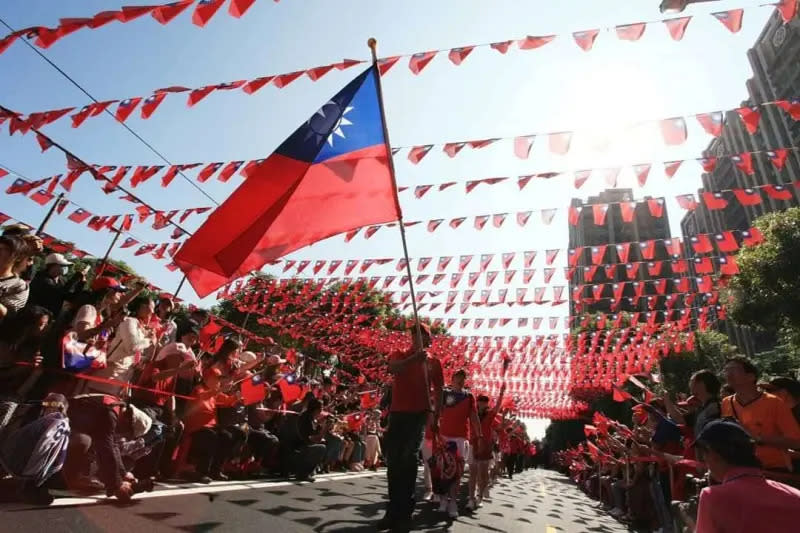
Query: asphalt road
[(536, 501)]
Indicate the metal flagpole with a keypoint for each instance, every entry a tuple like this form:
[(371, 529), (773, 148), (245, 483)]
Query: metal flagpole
[(108, 252), (180, 286), (49, 214), (373, 45)]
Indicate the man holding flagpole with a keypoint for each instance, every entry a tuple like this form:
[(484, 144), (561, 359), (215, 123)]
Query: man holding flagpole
[(416, 401)]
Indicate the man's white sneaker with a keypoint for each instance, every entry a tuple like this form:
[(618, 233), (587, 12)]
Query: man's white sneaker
[(428, 496), (452, 509), (478, 502)]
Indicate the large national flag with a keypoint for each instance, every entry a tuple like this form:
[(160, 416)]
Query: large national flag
[(330, 176)]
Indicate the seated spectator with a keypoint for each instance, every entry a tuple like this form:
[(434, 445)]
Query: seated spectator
[(132, 345), (744, 501), (303, 446), (203, 440), (50, 289), (104, 310), (766, 417)]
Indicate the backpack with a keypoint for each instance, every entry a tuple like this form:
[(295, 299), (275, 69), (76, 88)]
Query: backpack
[(446, 466)]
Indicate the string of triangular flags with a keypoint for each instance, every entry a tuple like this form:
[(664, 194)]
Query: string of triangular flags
[(44, 37)]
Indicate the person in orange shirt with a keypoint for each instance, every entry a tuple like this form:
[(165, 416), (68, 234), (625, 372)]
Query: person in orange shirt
[(417, 379), (766, 417)]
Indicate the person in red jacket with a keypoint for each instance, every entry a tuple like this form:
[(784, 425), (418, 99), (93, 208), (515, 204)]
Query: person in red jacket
[(417, 380)]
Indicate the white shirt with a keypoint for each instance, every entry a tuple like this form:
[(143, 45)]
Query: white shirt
[(124, 352)]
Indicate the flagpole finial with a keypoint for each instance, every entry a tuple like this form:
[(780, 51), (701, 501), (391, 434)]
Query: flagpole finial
[(372, 42)]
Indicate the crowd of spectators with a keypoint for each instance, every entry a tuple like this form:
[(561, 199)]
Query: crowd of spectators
[(141, 393), (130, 389), (724, 459)]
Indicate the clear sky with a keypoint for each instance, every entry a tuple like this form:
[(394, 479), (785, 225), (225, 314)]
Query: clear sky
[(558, 87)]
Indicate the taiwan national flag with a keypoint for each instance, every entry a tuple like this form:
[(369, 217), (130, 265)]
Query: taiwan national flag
[(330, 176)]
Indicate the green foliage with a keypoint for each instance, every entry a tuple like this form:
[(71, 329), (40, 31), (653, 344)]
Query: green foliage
[(563, 434), (766, 290)]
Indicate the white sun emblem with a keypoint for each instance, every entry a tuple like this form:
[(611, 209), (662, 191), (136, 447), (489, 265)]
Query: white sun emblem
[(451, 400), (327, 122)]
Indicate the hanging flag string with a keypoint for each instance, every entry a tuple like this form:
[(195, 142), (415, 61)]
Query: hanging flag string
[(44, 37)]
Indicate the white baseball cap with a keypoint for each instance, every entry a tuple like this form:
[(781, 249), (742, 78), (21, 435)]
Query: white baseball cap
[(56, 259)]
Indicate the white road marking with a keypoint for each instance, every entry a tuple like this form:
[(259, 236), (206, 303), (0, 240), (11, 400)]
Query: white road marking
[(211, 488)]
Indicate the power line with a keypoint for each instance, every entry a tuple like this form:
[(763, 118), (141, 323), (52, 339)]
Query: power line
[(124, 125)]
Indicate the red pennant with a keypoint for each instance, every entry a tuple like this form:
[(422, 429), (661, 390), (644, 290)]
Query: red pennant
[(165, 13), (550, 256), (574, 214), (433, 224), (747, 196), (529, 257), (778, 192), (631, 32), (701, 243), (673, 130), (522, 146), (531, 43), (502, 47), (522, 217), (647, 249), (456, 222), (627, 210), (641, 171), (752, 237), (599, 212), (671, 167), (458, 55), (419, 61), (677, 27), (547, 215), (285, 79), (559, 142), (420, 190), (744, 161), (711, 122), (623, 250), (585, 39), (452, 149), (731, 19), (598, 253), (726, 242), (497, 220), (750, 116), (205, 10), (708, 163), (656, 206), (480, 221), (416, 154), (580, 177), (687, 201), (790, 106), (151, 103), (777, 157)]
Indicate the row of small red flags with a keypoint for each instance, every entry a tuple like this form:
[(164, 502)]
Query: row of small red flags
[(44, 37), (732, 19)]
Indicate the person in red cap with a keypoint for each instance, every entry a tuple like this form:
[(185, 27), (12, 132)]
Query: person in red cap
[(416, 400)]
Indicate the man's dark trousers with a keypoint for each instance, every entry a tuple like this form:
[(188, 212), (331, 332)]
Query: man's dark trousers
[(403, 441)]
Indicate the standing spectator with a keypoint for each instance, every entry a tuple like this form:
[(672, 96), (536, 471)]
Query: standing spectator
[(417, 378), (50, 289), (21, 340), (13, 290), (766, 417), (373, 443), (788, 390), (127, 349), (165, 327), (105, 309), (744, 501), (458, 412)]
